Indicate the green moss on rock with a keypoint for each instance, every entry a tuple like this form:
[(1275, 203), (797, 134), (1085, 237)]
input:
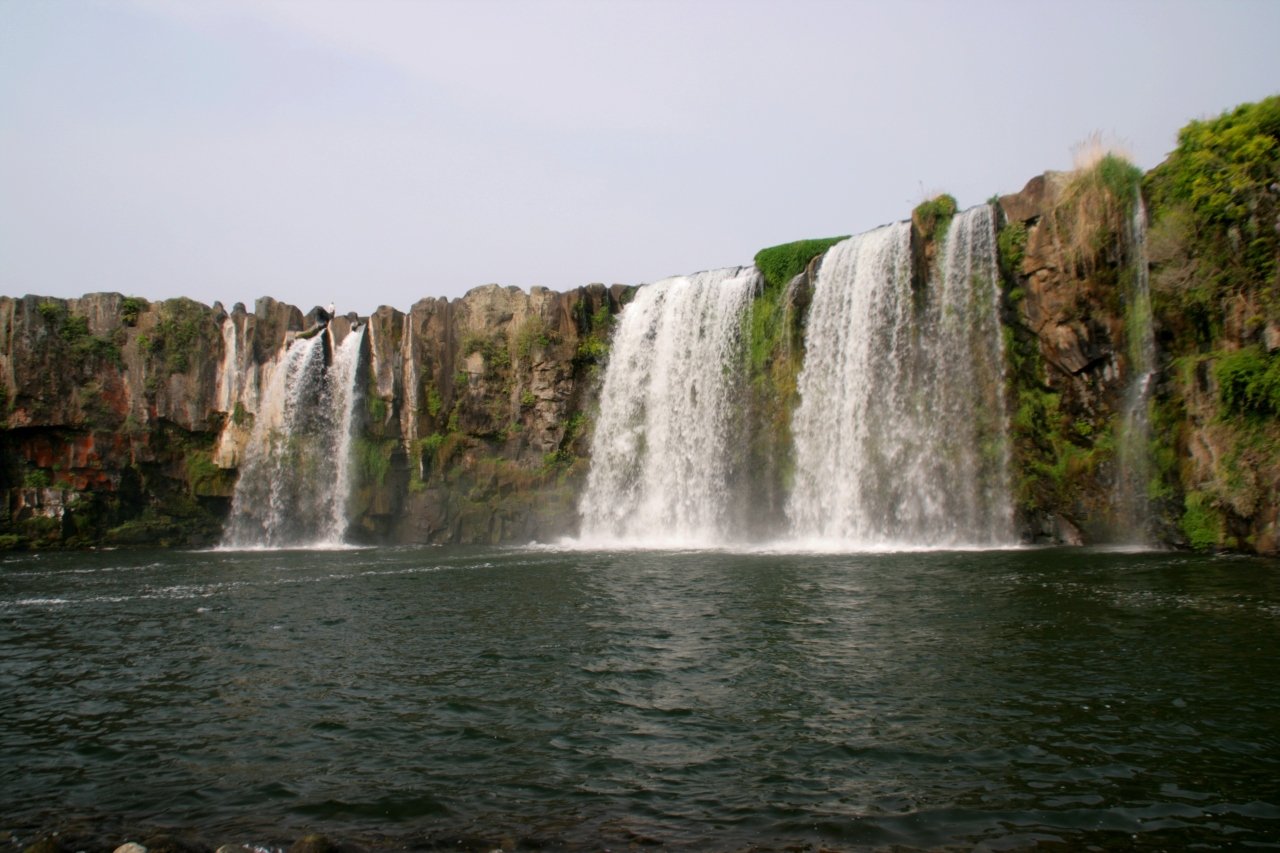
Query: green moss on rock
[(1249, 382), (780, 264), (932, 217)]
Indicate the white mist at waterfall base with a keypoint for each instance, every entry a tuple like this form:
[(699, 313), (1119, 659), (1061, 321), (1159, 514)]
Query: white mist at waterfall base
[(900, 436), (662, 452), (1133, 506), (296, 478)]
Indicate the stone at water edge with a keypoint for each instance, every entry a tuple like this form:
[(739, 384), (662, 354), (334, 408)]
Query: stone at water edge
[(130, 847), (314, 843), (48, 844), (170, 844), (233, 848)]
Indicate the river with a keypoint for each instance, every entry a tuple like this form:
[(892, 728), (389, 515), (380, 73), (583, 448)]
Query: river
[(553, 698)]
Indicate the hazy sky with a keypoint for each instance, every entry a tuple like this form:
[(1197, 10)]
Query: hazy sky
[(379, 152)]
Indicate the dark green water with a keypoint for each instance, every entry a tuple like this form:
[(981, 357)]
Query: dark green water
[(707, 700)]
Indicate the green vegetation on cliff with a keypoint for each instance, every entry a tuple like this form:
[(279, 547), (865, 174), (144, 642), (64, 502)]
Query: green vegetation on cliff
[(1214, 243), (173, 343), (1063, 423), (780, 264), (1249, 382), (74, 340), (1055, 456), (131, 307), (593, 346), (775, 354), (1092, 218), (932, 217), (1214, 206)]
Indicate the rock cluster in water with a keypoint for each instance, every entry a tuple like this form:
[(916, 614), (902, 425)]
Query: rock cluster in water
[(472, 420), (73, 841)]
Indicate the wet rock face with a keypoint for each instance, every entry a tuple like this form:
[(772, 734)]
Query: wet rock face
[(1068, 354), (480, 408), (1072, 312), (125, 422)]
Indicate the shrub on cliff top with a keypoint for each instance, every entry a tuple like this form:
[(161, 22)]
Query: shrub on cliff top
[(1214, 207), (1093, 213), (177, 335), (929, 216), (1222, 166), (74, 336), (131, 307), (780, 264), (52, 312)]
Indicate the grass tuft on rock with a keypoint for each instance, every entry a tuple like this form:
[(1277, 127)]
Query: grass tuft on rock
[(1092, 217), (933, 216)]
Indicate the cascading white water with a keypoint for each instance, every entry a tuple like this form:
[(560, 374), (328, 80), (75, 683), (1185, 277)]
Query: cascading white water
[(900, 435), (229, 377), (296, 477), (1134, 469), (662, 452)]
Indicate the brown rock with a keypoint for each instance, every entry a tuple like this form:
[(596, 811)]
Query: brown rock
[(314, 843), (48, 844), (1271, 336), (175, 844)]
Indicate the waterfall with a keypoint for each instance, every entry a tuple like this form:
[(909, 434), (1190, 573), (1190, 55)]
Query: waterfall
[(230, 375), (664, 445), (1134, 469), (296, 476), (900, 435)]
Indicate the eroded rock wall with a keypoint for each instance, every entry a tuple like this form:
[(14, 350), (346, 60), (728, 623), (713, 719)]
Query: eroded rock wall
[(1214, 448), (125, 422), (477, 414), (1065, 347)]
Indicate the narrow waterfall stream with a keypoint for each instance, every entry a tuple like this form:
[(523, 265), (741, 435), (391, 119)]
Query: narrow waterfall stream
[(1134, 468), (900, 433), (296, 477), (663, 444)]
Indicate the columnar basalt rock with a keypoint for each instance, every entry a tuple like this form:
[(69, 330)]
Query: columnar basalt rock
[(476, 414), (126, 421)]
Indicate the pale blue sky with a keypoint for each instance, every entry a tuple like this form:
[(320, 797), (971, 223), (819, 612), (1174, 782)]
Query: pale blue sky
[(378, 152)]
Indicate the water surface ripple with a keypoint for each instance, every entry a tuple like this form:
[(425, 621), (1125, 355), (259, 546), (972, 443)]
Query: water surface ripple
[(704, 700)]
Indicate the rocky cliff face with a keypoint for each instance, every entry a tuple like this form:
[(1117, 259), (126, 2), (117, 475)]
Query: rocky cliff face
[(1066, 306), (476, 422), (126, 421)]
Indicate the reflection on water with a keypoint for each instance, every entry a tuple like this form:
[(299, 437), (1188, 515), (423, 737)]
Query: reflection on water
[(701, 699)]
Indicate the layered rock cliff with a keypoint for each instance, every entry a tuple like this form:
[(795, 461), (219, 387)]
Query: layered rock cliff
[(126, 421)]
